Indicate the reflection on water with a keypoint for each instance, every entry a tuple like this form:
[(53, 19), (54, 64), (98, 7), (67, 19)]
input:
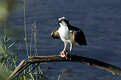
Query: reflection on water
[(99, 19)]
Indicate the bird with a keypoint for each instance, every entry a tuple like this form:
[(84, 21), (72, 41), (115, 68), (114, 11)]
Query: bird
[(68, 34)]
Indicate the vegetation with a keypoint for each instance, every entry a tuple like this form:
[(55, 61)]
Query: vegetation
[(8, 39)]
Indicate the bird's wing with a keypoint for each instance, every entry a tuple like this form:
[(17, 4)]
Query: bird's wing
[(80, 38), (55, 34), (79, 35)]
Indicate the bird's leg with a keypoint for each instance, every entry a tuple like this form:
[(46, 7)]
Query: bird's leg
[(71, 46), (64, 52)]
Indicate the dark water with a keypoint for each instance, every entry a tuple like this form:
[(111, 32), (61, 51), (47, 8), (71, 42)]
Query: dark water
[(99, 19)]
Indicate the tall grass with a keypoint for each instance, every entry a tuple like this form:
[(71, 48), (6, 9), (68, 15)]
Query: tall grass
[(32, 74), (25, 28), (8, 58)]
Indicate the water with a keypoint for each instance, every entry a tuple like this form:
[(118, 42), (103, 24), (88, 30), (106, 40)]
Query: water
[(99, 19)]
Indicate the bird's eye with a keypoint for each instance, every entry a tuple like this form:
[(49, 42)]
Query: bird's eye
[(59, 21)]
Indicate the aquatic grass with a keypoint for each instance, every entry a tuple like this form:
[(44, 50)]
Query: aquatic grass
[(4, 73), (31, 44), (5, 38), (33, 35), (34, 28), (8, 57), (36, 69), (25, 28), (34, 31), (25, 77), (59, 77)]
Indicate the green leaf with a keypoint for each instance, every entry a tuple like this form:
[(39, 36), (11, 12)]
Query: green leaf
[(59, 77), (1, 48), (12, 44)]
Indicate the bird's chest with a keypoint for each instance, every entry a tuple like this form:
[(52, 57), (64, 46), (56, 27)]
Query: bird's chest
[(64, 32)]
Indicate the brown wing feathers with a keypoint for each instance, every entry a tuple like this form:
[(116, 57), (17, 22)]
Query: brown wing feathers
[(55, 34)]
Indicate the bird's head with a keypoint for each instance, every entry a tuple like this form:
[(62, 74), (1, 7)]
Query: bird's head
[(63, 21)]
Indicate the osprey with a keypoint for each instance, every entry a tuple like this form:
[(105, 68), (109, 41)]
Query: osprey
[(68, 34)]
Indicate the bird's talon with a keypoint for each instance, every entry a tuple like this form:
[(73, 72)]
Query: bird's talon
[(64, 54)]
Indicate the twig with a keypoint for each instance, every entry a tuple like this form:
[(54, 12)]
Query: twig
[(17, 68), (34, 68)]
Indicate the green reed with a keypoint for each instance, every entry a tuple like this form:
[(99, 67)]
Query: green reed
[(9, 57)]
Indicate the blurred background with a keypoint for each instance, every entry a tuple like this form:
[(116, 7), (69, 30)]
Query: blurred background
[(100, 20)]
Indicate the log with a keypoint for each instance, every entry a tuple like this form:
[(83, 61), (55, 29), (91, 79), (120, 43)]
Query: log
[(73, 58)]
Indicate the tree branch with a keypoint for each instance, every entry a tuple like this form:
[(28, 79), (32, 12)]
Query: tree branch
[(72, 58)]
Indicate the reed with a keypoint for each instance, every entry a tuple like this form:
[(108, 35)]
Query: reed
[(8, 57)]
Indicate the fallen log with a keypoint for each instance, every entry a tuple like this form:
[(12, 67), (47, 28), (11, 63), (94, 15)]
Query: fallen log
[(73, 58)]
